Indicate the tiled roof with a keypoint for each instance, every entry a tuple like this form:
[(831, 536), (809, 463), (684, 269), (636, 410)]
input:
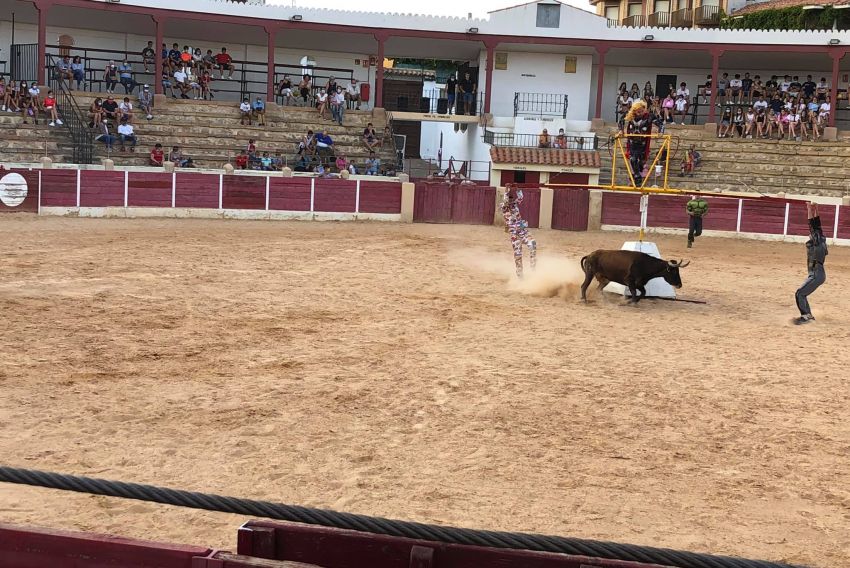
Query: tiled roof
[(779, 4), (544, 156), (392, 72)]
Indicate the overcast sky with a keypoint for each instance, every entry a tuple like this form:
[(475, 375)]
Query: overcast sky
[(479, 8)]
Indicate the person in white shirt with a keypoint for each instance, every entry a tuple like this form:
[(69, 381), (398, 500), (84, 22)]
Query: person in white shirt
[(681, 108), (793, 123), (181, 80), (192, 80), (686, 93), (735, 86), (785, 85), (125, 134), (352, 93), (35, 95), (322, 102), (245, 112), (760, 104), (338, 105), (126, 108), (823, 114)]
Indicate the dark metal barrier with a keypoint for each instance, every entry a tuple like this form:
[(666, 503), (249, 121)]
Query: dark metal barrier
[(24, 62), (540, 104), (564, 142), (73, 118)]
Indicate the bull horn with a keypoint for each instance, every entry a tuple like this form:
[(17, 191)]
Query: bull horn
[(673, 263), (683, 263)]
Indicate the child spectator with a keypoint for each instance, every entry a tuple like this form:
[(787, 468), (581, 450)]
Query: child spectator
[(148, 55), (78, 71), (126, 108), (110, 77), (157, 156), (146, 102), (373, 164), (241, 160), (681, 109), (50, 109), (251, 148), (259, 110), (687, 164), (224, 63), (126, 134), (126, 76), (245, 112), (685, 93)]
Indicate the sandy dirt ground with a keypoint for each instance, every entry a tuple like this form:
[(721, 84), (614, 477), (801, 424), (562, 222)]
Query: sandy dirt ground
[(397, 371)]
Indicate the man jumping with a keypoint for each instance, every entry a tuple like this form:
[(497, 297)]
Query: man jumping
[(518, 228), (816, 252)]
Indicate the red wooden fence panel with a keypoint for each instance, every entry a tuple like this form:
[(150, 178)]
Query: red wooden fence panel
[(380, 197), (722, 214), (59, 188), (335, 195), (244, 192), (19, 191), (432, 203), (621, 209), (667, 211), (570, 208), (149, 189), (843, 222), (763, 217), (798, 220), (197, 190), (473, 205), (289, 194), (101, 188), (530, 206)]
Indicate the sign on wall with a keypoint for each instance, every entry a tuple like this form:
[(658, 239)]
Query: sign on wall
[(501, 61), (570, 62)]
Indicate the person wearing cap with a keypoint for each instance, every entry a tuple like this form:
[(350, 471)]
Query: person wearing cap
[(816, 251), (245, 112), (110, 77), (352, 93), (697, 208), (125, 134), (259, 110), (146, 101)]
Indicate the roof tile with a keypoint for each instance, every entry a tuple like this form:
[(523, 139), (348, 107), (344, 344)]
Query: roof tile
[(779, 4), (544, 156)]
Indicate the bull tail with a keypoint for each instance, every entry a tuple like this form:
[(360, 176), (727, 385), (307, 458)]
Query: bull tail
[(584, 263)]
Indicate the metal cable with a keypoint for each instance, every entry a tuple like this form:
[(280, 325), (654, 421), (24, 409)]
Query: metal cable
[(376, 525)]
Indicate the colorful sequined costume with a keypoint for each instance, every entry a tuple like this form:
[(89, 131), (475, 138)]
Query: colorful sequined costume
[(518, 229)]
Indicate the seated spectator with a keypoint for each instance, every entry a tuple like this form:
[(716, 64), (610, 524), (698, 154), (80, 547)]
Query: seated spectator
[(209, 61), (167, 85), (322, 103), (96, 112), (681, 109), (259, 110), (26, 104), (795, 87), (193, 82), (747, 89), (352, 169), (667, 106), (341, 163), (251, 148), (543, 140), (738, 122), (266, 162), (735, 87), (324, 144), (749, 123), (206, 89), (277, 162), (110, 77), (63, 70), (177, 158), (5, 96), (245, 112), (110, 108), (823, 114), (685, 93), (758, 88), (352, 93), (370, 138), (337, 105), (284, 90), (725, 123), (78, 71), (809, 87), (561, 139), (822, 90), (305, 87), (35, 97), (148, 57), (387, 136), (173, 59), (50, 109), (126, 108), (330, 86), (106, 136), (241, 160), (760, 104), (186, 56), (157, 155), (224, 63), (126, 134), (307, 145), (181, 81), (126, 75), (146, 102), (198, 60), (761, 123), (373, 164)]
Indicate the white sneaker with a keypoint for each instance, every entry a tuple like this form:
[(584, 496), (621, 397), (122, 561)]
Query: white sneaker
[(59, 122), (52, 124), (3, 108), (150, 117), (683, 124)]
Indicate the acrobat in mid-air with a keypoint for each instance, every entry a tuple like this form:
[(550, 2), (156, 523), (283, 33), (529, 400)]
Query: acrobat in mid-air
[(517, 227), (816, 252)]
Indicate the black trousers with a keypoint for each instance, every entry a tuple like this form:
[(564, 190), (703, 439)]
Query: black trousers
[(817, 276), (694, 227)]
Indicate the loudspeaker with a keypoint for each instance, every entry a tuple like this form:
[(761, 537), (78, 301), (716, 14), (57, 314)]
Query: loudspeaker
[(425, 104), (442, 106), (402, 103)]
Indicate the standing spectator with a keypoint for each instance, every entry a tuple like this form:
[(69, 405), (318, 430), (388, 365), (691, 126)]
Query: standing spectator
[(251, 148), (451, 92), (284, 90), (110, 108), (126, 134), (352, 93), (758, 88), (176, 157), (370, 138), (373, 164), (157, 156), (322, 103), (106, 136), (4, 94), (735, 86), (305, 87), (148, 55), (78, 70), (110, 77), (722, 86), (747, 88), (126, 108), (245, 112), (206, 88), (338, 105), (50, 109), (224, 63), (681, 108), (706, 90), (146, 102), (259, 109), (242, 160), (467, 88), (543, 140)]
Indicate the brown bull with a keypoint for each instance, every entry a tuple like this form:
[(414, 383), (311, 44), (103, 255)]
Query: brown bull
[(632, 269)]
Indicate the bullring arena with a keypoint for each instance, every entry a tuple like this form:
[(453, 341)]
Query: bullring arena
[(396, 370)]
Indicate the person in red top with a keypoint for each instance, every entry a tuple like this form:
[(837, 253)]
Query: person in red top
[(242, 160), (224, 62), (50, 108), (157, 155)]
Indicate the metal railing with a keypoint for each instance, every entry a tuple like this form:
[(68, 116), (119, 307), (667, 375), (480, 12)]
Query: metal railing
[(540, 104), (435, 101), (449, 169), (636, 21), (707, 15), (613, 22), (683, 18), (557, 141), (23, 64), (658, 20), (73, 119)]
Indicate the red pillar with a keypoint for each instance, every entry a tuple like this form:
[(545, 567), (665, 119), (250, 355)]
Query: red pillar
[(715, 72), (379, 72), (42, 8), (600, 78), (270, 77), (836, 55), (488, 80), (159, 21)]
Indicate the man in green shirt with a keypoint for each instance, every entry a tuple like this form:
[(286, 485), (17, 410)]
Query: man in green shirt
[(697, 208)]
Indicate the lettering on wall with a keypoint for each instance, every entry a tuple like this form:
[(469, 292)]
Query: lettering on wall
[(528, 75), (570, 62)]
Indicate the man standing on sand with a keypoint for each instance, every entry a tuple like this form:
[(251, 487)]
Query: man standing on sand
[(816, 252), (518, 228), (697, 208)]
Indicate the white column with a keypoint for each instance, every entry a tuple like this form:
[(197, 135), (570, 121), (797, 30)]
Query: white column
[(312, 194), (268, 182), (173, 190), (787, 210), (357, 198), (740, 210), (220, 191), (126, 187), (78, 188)]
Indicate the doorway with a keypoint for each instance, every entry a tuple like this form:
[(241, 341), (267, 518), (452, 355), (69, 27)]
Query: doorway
[(663, 84)]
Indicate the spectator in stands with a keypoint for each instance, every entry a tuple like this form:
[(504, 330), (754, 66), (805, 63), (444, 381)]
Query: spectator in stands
[(186, 56), (26, 104), (749, 122), (224, 63), (338, 105), (241, 160), (167, 85), (725, 122), (785, 85), (814, 126), (760, 104), (198, 60), (251, 148), (634, 92), (50, 109), (782, 123), (770, 122), (157, 156), (125, 72), (96, 113), (305, 87), (302, 164), (181, 81), (35, 97), (266, 162), (341, 163), (451, 92), (370, 138), (259, 110), (352, 93), (284, 90), (148, 55), (193, 81), (330, 86), (146, 102), (686, 93), (174, 58), (126, 108), (4, 94), (761, 123), (795, 88), (177, 158), (206, 85), (722, 86), (106, 136), (78, 71), (245, 112), (561, 140), (648, 93), (681, 108), (803, 124), (738, 121), (322, 103), (307, 145), (467, 89), (735, 89), (126, 134), (277, 162), (110, 109), (687, 164), (387, 137), (823, 114), (776, 103), (747, 89), (821, 90), (771, 87), (543, 140), (757, 88), (324, 144), (667, 106), (373, 164), (809, 87), (63, 70), (706, 90), (110, 77)]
